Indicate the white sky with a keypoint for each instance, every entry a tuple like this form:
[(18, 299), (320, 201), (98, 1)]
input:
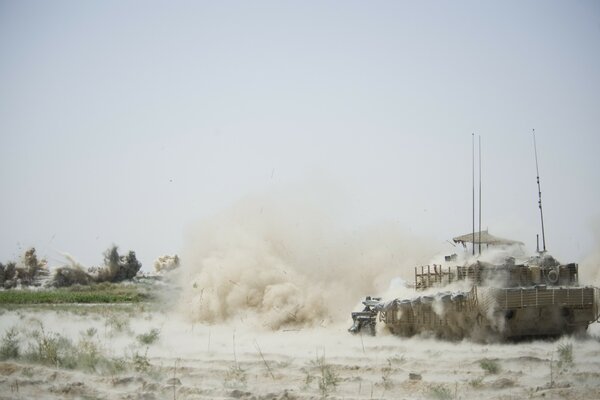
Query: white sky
[(126, 121)]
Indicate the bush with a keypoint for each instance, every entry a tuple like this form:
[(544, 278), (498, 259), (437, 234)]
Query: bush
[(9, 347), (327, 379), (386, 375), (565, 355), (235, 376), (117, 268), (141, 363), (70, 275), (28, 271), (8, 275), (149, 338), (51, 349), (440, 392), (476, 383), (489, 366), (116, 323), (88, 354)]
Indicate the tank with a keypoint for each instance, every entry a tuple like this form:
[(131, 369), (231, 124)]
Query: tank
[(539, 297)]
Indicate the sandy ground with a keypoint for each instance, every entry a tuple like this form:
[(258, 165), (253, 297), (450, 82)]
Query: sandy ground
[(235, 361)]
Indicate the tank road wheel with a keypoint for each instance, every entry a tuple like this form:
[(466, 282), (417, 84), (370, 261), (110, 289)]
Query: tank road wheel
[(552, 276), (567, 315)]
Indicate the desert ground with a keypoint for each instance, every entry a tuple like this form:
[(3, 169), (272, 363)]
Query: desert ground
[(133, 352)]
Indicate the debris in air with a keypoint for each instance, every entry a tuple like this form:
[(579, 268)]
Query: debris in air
[(30, 271)]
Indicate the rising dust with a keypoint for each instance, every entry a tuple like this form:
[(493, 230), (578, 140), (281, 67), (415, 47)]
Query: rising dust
[(267, 288), (278, 261)]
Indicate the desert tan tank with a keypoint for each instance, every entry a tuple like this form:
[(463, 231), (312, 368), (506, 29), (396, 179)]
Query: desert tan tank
[(537, 298)]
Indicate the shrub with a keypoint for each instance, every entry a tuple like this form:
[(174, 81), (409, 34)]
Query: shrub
[(88, 354), (440, 392), (327, 379), (51, 349), (9, 346), (476, 383), (113, 366), (489, 366), (8, 275), (116, 323), (149, 338), (235, 376), (565, 355), (70, 275), (140, 362), (386, 375), (117, 268)]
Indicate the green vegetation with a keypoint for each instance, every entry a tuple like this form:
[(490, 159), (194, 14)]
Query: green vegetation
[(148, 338), (140, 362), (477, 382), (116, 323), (565, 355), (489, 366), (386, 375), (440, 392), (235, 376), (327, 378), (398, 359), (29, 271), (101, 293), (9, 344), (39, 346), (49, 348)]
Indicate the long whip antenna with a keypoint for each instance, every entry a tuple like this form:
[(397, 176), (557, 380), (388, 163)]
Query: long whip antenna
[(473, 184), (539, 194), (479, 239)]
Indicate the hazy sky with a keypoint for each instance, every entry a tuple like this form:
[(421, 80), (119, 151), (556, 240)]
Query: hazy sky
[(126, 121)]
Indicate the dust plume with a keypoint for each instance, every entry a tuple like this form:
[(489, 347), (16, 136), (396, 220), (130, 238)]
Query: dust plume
[(284, 260)]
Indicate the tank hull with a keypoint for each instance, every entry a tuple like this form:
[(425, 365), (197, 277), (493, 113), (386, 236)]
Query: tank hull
[(507, 313), (541, 310), (541, 298)]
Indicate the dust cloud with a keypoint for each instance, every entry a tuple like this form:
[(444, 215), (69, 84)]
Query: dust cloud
[(285, 260)]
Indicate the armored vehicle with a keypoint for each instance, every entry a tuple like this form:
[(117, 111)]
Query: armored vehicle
[(538, 297)]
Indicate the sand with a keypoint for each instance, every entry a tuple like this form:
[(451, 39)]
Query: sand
[(238, 360)]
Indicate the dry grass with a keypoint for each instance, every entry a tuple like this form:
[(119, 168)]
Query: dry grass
[(489, 366)]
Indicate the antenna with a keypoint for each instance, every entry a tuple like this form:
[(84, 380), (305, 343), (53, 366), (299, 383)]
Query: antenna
[(473, 184), (479, 239), (539, 195)]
